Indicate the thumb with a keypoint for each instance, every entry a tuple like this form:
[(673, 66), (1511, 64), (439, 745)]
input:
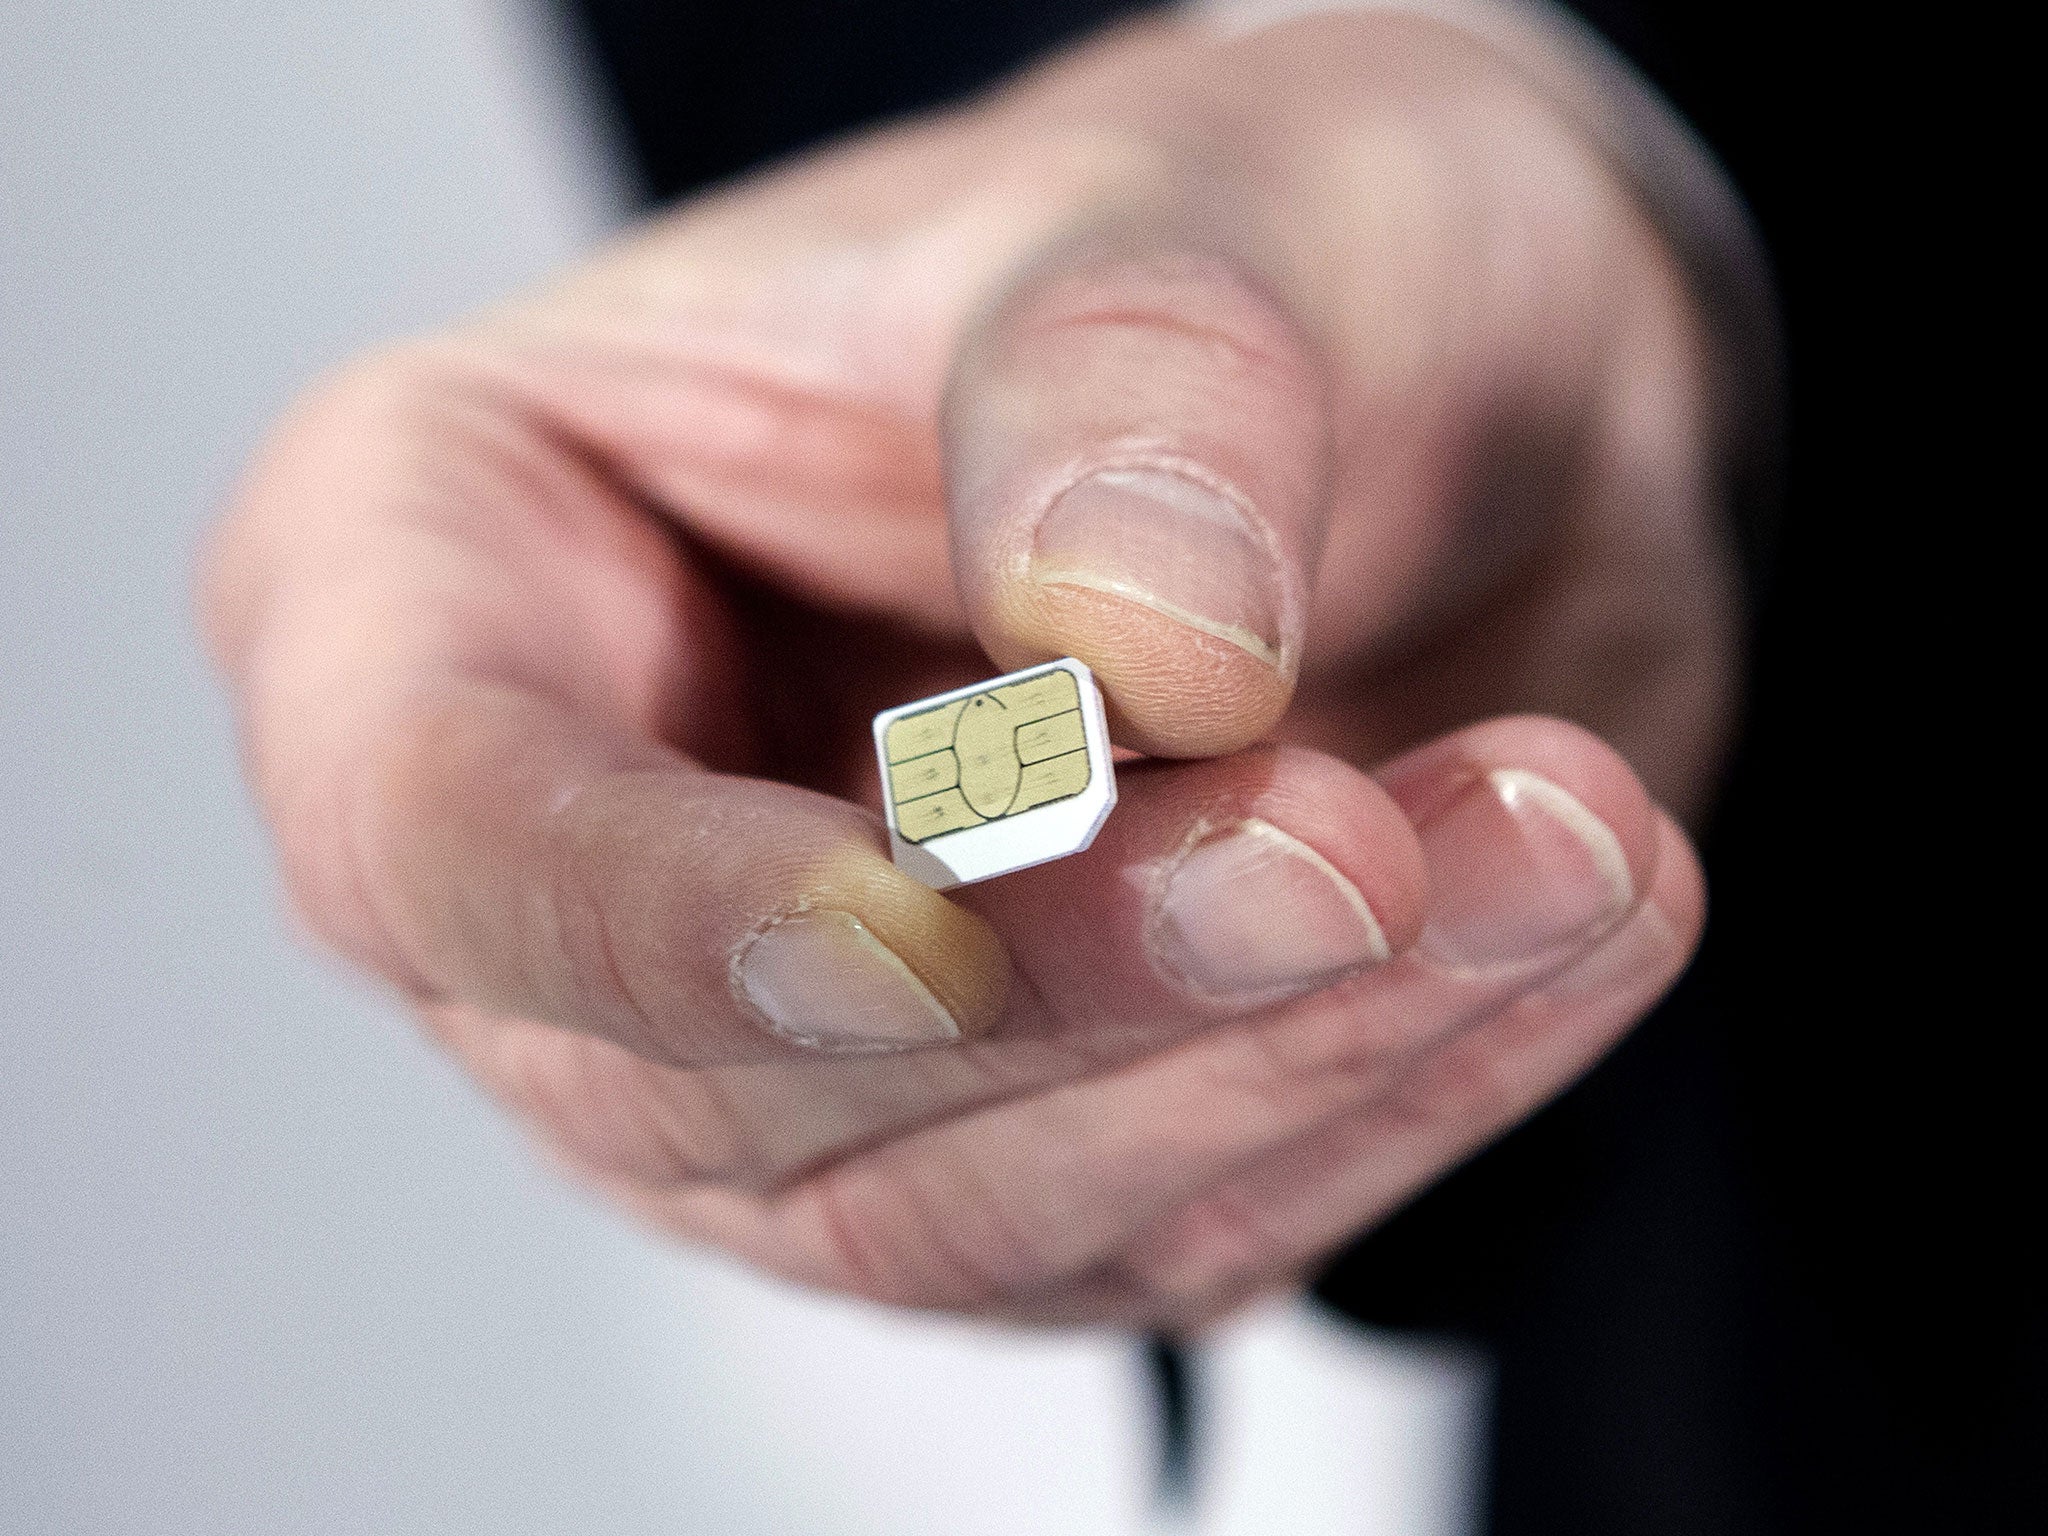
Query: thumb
[(1137, 450)]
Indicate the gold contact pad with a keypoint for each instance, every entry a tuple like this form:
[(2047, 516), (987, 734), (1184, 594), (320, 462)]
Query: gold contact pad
[(990, 755)]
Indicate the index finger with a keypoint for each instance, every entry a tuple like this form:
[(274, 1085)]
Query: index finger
[(477, 687)]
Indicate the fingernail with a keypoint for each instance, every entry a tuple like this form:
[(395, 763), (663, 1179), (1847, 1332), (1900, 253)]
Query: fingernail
[(1518, 867), (823, 980), (1251, 913), (1178, 547)]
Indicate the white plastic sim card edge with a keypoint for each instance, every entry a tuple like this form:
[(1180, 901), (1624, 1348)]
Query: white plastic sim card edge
[(1014, 842)]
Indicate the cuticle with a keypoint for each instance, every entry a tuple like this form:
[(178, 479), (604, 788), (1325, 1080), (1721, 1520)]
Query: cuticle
[(735, 983), (1463, 780), (1203, 829)]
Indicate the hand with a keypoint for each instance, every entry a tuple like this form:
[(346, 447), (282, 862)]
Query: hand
[(1321, 388)]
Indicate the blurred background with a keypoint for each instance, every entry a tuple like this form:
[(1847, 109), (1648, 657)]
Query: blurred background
[(266, 1263)]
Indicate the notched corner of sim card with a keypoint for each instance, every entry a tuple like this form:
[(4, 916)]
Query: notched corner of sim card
[(997, 776)]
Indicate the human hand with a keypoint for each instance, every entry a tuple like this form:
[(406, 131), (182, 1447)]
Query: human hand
[(1321, 388)]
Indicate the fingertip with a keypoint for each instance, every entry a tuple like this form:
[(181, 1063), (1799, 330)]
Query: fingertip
[(1539, 841), (1349, 821), (707, 917), (1679, 892), (956, 955), (1646, 954), (1561, 766), (1172, 690)]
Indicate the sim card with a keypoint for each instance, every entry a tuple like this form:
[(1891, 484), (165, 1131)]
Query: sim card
[(996, 777)]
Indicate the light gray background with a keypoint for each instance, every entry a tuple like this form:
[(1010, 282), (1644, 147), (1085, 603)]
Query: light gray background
[(266, 1265)]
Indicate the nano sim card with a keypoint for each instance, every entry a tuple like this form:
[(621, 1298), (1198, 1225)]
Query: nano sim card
[(996, 777)]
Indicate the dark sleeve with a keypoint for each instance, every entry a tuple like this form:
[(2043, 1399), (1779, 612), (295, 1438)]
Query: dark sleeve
[(705, 91)]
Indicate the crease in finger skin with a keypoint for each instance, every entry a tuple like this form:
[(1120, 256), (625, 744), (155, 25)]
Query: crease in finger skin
[(1266, 1085)]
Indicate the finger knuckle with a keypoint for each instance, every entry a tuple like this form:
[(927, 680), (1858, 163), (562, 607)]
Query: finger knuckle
[(1182, 303)]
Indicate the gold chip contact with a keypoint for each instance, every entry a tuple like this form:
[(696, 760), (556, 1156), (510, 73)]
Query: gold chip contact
[(1008, 749)]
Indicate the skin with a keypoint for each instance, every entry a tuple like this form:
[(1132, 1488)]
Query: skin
[(555, 637)]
